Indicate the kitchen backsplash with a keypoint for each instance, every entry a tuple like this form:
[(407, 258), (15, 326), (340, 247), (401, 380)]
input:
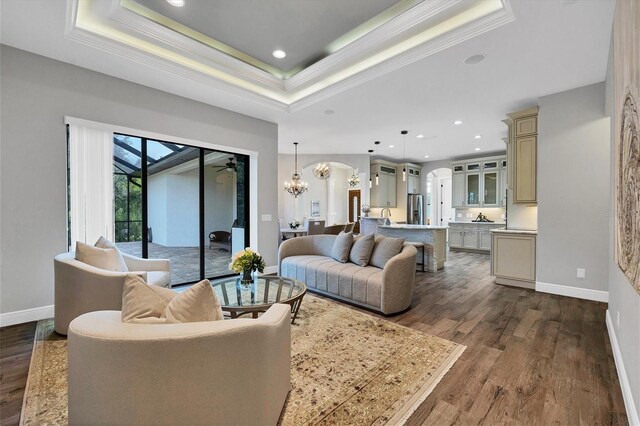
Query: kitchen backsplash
[(495, 214)]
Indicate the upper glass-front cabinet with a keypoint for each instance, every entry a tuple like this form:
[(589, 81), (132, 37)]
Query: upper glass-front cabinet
[(490, 182), (473, 189)]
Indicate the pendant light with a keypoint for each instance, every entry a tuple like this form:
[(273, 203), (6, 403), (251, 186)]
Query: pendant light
[(404, 148), (370, 183), (377, 174), (354, 180), (296, 186)]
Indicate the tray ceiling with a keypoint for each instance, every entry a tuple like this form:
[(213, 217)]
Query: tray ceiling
[(380, 38)]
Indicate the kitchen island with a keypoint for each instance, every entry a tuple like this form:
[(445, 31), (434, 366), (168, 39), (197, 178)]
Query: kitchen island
[(433, 237)]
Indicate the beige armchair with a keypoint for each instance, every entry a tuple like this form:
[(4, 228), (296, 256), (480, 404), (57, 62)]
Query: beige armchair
[(81, 288), (233, 372)]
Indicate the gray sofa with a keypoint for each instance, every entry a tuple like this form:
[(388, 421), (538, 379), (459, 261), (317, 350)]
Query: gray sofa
[(388, 290)]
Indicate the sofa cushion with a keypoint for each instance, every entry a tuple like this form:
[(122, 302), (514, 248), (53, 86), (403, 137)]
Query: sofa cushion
[(142, 303), (342, 246), (384, 249), (103, 258), (106, 244), (361, 250)]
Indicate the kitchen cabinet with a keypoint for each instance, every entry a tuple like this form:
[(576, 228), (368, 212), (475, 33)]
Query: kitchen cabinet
[(383, 193), (471, 236), (522, 154), (513, 257), (457, 191), (479, 183), (413, 184)]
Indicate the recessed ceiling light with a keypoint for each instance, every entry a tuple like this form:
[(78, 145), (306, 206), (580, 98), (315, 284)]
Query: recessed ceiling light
[(279, 54), (477, 136), (457, 122), (477, 149), (475, 59), (176, 3), (426, 156), (392, 146), (420, 136), (328, 112)]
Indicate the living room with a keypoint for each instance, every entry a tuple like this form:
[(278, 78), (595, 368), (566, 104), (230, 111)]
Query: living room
[(565, 350)]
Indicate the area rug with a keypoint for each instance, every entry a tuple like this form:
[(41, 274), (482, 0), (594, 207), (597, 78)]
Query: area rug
[(347, 367)]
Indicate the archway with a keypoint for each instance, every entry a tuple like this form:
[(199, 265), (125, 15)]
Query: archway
[(439, 193)]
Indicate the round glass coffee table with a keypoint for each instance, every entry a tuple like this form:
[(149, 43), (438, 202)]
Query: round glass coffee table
[(240, 299)]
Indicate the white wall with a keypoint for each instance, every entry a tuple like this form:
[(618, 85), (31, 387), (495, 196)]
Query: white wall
[(37, 93), (219, 201), (624, 302), (573, 192), (157, 192), (288, 210)]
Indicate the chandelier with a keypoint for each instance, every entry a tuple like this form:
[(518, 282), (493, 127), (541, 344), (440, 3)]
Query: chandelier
[(322, 171), (354, 180), (295, 186)]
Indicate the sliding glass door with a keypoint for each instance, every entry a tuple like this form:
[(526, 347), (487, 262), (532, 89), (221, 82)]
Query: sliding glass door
[(191, 202)]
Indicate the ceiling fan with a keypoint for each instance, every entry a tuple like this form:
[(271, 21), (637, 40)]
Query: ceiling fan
[(229, 166)]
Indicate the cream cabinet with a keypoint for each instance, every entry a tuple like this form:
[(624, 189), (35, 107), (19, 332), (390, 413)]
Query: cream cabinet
[(471, 236), (522, 155), (513, 258), (479, 182), (383, 186)]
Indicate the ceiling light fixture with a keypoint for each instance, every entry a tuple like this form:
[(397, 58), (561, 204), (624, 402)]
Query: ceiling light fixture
[(296, 187), (420, 136), (370, 152), (377, 143), (426, 156), (392, 146), (328, 112), (457, 122), (354, 180), (322, 171), (176, 3), (474, 59), (477, 136), (404, 147), (477, 149), (279, 54)]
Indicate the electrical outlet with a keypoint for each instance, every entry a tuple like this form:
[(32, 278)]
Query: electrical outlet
[(617, 319), (266, 218), (580, 273)]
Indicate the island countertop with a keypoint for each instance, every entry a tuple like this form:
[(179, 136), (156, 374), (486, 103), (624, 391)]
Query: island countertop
[(411, 226), (459, 222)]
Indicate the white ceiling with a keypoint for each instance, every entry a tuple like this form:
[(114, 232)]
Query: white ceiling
[(303, 28), (551, 46)]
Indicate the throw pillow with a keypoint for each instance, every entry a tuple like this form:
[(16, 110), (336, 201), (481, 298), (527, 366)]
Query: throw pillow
[(106, 244), (143, 303), (198, 303), (342, 246), (150, 304), (384, 249), (361, 250), (100, 258)]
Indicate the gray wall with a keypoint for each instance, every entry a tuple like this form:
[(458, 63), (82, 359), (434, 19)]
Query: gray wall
[(623, 299), (36, 95), (573, 188)]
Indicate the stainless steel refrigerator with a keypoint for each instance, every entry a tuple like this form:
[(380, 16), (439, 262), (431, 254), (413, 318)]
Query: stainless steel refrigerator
[(415, 209)]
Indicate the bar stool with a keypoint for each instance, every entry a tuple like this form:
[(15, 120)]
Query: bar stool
[(419, 246)]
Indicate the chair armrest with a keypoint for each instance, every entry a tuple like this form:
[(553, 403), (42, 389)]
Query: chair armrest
[(140, 264), (294, 247), (398, 280)]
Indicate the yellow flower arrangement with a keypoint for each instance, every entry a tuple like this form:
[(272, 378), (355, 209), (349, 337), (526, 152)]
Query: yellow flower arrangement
[(247, 260)]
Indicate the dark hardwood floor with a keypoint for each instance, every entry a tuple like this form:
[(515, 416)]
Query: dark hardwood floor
[(531, 358)]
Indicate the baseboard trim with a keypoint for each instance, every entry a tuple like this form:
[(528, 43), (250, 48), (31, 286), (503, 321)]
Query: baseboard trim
[(578, 293), (26, 315), (630, 407)]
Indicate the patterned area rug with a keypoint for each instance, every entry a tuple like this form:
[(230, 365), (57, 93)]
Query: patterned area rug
[(347, 367)]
